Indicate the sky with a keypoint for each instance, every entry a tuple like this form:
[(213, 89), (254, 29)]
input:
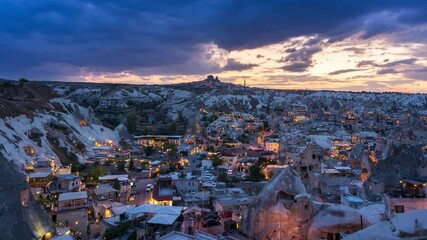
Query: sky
[(351, 45)]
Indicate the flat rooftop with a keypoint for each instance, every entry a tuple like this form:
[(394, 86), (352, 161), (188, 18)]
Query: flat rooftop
[(39, 175), (72, 196)]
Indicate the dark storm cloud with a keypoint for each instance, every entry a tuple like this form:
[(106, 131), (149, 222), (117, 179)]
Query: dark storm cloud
[(126, 35), (297, 67), (344, 71), (386, 71), (300, 60), (367, 63), (421, 70), (355, 50), (400, 62), (290, 50), (233, 65), (417, 74)]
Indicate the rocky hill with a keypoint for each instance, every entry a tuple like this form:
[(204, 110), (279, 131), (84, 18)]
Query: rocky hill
[(35, 115), (213, 94), (20, 221), (179, 103), (36, 125), (23, 97)]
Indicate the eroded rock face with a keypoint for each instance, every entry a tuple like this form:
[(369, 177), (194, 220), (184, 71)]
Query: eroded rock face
[(284, 210), (270, 214), (20, 216), (333, 218), (405, 160)]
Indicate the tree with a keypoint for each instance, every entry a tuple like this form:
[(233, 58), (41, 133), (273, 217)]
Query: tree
[(121, 166), (97, 172), (222, 177), (116, 231), (216, 161), (81, 167), (149, 150), (255, 173), (210, 148), (114, 122), (244, 138), (170, 149), (131, 165), (266, 125), (131, 122), (173, 128), (172, 167), (172, 153)]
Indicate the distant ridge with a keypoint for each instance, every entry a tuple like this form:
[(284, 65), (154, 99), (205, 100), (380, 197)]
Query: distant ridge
[(213, 82)]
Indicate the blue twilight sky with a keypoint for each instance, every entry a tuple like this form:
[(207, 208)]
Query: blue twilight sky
[(377, 45)]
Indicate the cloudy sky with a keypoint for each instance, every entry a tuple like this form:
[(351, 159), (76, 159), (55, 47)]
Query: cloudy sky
[(375, 45)]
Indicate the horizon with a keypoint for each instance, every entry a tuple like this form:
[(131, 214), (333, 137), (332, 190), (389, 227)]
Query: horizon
[(358, 46), (248, 86)]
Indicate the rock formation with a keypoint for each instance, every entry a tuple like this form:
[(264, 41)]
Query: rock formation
[(20, 216), (284, 210), (404, 161)]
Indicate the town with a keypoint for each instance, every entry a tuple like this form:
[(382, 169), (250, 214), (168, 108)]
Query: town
[(299, 172)]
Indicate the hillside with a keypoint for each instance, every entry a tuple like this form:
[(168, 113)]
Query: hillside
[(46, 117), (158, 107), (43, 127), (18, 98)]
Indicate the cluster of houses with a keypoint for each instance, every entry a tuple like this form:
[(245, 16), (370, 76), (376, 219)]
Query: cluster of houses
[(334, 154)]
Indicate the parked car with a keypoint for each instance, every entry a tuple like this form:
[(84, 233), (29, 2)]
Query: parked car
[(226, 214), (211, 222), (149, 187)]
